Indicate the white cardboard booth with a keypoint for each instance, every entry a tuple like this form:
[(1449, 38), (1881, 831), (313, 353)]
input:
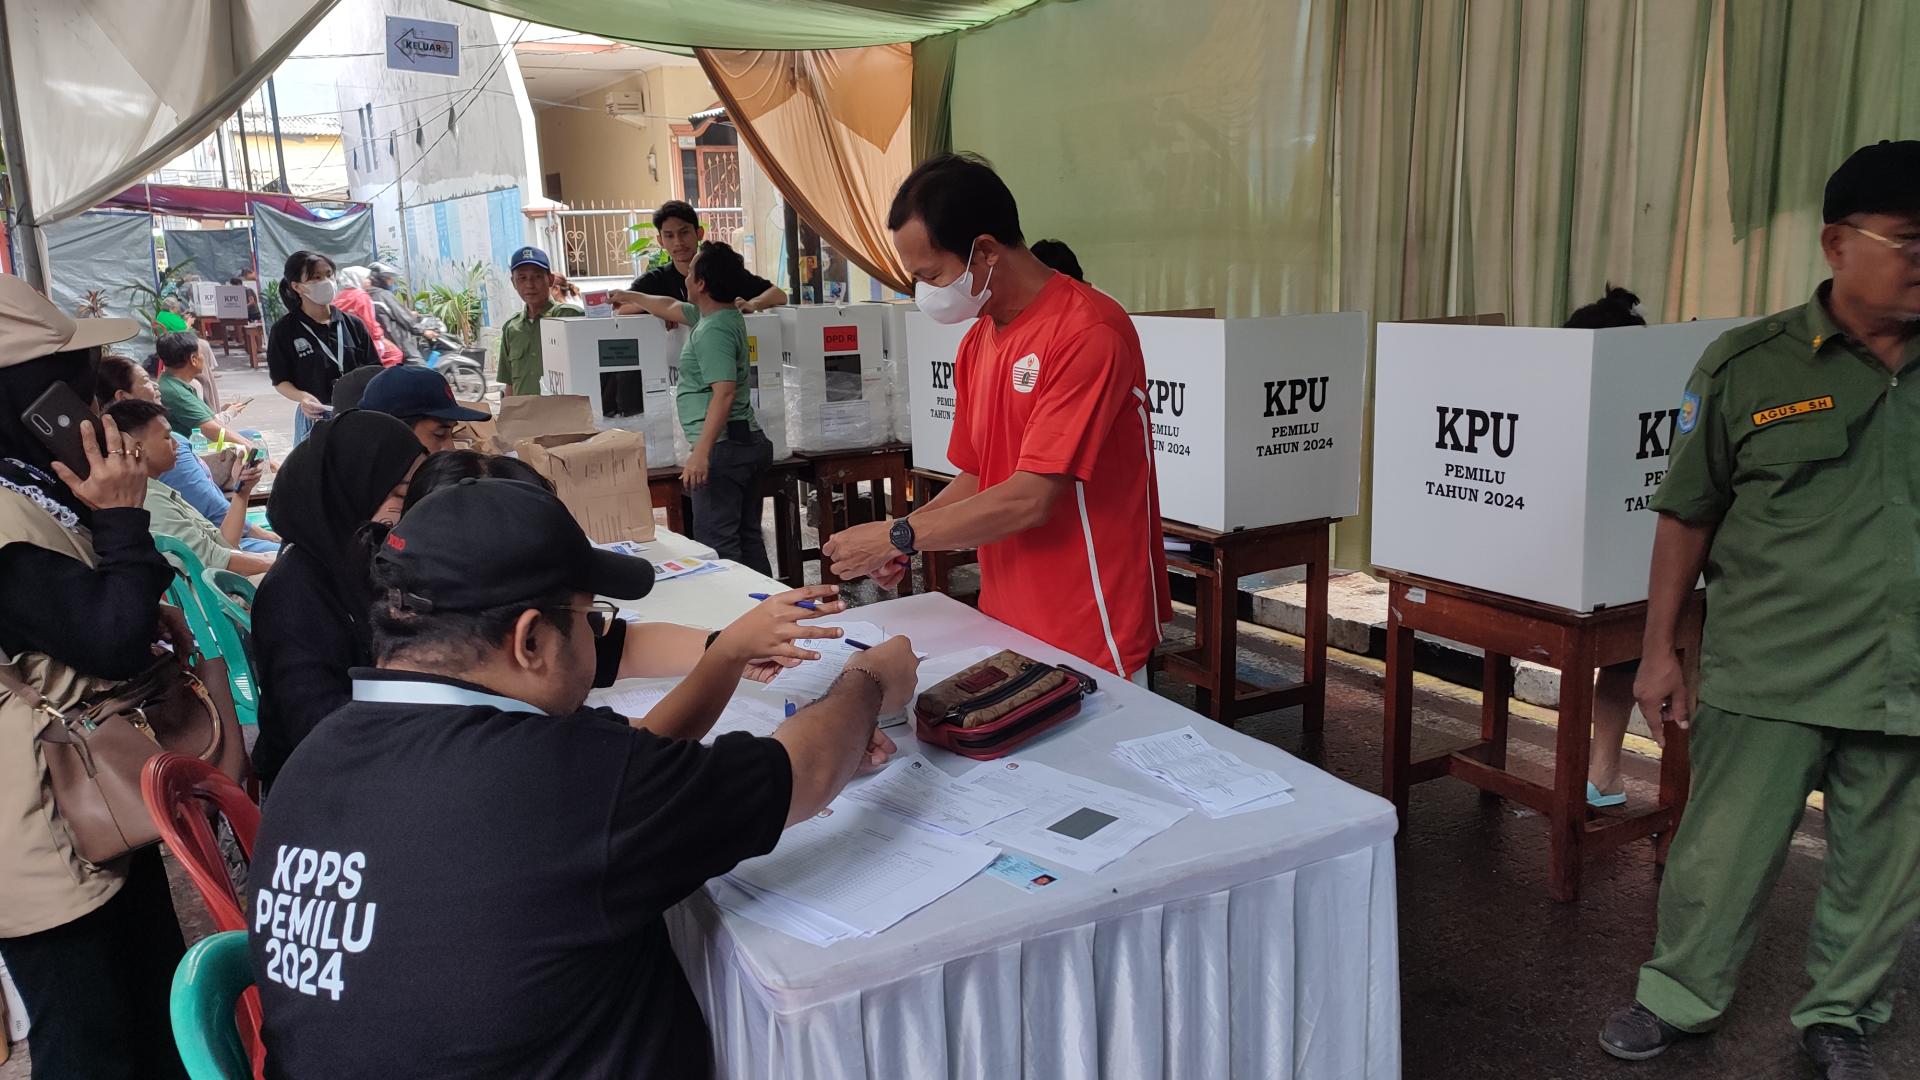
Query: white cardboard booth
[(211, 299), (576, 351), (835, 380), (925, 369), (1520, 460)]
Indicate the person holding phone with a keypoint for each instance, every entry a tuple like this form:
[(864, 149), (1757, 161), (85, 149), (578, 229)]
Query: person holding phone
[(172, 515), (187, 412), (314, 343), (91, 949)]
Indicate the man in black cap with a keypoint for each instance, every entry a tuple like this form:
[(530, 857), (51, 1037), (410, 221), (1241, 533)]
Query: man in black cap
[(463, 871), (423, 399), (1794, 485)]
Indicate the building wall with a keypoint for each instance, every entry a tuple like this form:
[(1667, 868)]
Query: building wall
[(315, 163), (602, 161)]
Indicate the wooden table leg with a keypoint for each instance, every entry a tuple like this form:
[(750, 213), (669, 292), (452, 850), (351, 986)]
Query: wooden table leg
[(1496, 693), (786, 533), (1313, 665), (1398, 697), (829, 524), (1225, 655), (667, 494), (1571, 741)]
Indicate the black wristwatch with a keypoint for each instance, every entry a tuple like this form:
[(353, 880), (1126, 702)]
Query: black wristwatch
[(902, 536)]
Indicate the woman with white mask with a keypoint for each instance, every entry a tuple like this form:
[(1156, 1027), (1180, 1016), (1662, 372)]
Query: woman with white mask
[(314, 343)]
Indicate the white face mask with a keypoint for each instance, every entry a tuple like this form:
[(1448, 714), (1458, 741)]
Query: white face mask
[(320, 292), (954, 302)]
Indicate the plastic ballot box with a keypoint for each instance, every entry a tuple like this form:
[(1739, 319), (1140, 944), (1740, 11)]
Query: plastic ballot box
[(835, 380), (1520, 460)]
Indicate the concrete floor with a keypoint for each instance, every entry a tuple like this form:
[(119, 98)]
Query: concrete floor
[(1497, 981)]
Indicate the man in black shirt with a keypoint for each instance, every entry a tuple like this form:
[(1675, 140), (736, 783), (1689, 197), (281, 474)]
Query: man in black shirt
[(462, 872)]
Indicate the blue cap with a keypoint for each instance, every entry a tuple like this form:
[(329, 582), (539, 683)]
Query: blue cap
[(530, 256), (410, 391)]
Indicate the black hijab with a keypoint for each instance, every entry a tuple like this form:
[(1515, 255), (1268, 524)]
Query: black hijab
[(25, 462), (330, 487)]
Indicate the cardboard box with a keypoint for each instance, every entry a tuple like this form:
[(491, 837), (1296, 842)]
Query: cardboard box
[(601, 477), (836, 379), (576, 351), (1519, 460), (925, 367), (1256, 422)]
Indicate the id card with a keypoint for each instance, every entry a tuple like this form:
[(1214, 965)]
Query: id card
[(1021, 872)]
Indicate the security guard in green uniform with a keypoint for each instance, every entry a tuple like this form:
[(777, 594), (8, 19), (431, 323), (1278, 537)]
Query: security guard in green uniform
[(1795, 484), (520, 364)]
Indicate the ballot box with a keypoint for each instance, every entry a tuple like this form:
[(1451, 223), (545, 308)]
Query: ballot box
[(767, 357), (835, 379), (1256, 422), (576, 351), (894, 314), (924, 369), (1520, 460), (209, 299)]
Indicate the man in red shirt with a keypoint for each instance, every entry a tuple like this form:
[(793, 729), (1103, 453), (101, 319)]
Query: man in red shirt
[(1050, 433)]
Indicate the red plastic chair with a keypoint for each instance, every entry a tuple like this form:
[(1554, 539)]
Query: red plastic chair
[(181, 793)]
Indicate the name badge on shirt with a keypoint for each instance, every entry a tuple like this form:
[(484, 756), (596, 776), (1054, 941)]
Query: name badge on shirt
[(1797, 408)]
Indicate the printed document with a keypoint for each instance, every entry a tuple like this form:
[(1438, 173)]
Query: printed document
[(1070, 819), (915, 788)]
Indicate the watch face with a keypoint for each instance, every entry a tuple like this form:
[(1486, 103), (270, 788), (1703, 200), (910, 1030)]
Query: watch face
[(902, 536)]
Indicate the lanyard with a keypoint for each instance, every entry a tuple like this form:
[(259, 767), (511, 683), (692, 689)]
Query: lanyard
[(339, 341), (412, 692)]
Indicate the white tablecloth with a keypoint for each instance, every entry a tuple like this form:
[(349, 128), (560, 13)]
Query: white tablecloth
[(707, 600), (1263, 945), (667, 544)]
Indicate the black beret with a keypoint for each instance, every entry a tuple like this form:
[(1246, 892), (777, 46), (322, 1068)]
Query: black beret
[(1883, 178)]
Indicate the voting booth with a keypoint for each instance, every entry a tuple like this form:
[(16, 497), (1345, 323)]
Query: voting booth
[(576, 351), (926, 374), (208, 299), (1256, 422), (835, 380), (1520, 460)]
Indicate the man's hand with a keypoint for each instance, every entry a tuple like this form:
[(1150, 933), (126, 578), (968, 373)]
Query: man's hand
[(745, 305), (769, 629), (763, 671), (897, 669), (890, 575), (1661, 692), (694, 473), (115, 479), (861, 550), (880, 750)]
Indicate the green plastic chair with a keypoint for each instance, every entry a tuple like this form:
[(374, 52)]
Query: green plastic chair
[(207, 988), (233, 630), (185, 595)]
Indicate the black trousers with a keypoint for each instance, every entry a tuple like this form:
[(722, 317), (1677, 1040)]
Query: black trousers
[(726, 509), (96, 989)]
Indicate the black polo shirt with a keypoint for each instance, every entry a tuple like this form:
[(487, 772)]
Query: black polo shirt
[(298, 348), (464, 888), (669, 281)]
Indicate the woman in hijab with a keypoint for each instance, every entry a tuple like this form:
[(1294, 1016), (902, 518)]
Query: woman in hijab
[(310, 617), (354, 299), (92, 949)]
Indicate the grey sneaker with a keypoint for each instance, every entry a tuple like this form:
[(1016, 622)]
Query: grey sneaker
[(1841, 1053), (1635, 1034)]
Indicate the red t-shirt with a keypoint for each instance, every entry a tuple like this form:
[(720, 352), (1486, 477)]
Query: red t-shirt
[(1061, 390)]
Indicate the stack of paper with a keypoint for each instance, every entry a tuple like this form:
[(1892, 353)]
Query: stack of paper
[(1219, 781), (916, 789), (810, 680), (1069, 819), (849, 872), (746, 712)]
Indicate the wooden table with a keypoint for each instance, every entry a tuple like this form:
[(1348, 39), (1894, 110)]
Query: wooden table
[(1211, 664), (1578, 644), (781, 484), (830, 470), (938, 566)]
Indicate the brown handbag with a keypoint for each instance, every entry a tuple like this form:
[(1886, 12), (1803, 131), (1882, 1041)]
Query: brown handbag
[(96, 748), (992, 708)]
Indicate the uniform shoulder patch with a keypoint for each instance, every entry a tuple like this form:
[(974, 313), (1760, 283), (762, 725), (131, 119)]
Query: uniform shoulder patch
[(1689, 412), (1742, 339)]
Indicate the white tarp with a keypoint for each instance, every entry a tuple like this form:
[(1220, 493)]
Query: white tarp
[(111, 89)]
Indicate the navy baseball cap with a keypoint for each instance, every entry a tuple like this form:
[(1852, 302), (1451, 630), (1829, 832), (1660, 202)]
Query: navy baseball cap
[(1875, 179), (529, 256), (410, 391), (534, 548)]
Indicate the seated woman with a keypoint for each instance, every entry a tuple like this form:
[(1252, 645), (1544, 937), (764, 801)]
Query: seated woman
[(123, 380), (145, 423), (310, 616), (709, 663)]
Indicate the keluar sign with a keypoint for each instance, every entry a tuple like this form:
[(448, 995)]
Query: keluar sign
[(1521, 460)]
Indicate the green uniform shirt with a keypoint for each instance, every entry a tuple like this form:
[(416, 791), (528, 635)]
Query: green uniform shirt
[(520, 362), (1805, 450), (716, 351), (185, 411), (172, 515)]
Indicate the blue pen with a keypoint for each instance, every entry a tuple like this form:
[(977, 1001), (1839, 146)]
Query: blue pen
[(862, 646), (808, 604), (791, 709)]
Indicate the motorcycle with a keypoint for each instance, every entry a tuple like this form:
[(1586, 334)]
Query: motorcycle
[(448, 356)]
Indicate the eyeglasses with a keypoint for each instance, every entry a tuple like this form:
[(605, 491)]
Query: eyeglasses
[(1909, 248), (601, 615)]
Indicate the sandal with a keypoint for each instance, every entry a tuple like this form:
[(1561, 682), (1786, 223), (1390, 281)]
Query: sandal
[(1600, 800)]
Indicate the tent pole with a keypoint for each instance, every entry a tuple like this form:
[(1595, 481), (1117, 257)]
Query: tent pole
[(26, 235), (279, 149), (246, 159)]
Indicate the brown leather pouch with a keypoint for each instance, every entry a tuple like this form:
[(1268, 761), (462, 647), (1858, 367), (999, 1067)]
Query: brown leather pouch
[(998, 704)]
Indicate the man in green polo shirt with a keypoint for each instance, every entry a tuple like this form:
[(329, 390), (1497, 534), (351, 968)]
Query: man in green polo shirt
[(1794, 484), (180, 363), (520, 363)]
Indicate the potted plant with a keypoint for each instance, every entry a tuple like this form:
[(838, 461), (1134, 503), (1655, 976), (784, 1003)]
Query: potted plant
[(92, 305), (646, 247), (459, 307)]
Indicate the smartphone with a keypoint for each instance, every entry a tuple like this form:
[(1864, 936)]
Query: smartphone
[(55, 418), (256, 454)]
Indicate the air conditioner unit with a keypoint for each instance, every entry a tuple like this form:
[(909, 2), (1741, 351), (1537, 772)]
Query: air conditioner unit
[(628, 107)]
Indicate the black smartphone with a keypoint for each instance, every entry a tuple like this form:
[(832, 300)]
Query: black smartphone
[(255, 455), (55, 418)]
